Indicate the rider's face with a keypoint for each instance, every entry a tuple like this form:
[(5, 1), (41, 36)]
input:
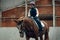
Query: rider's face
[(32, 6)]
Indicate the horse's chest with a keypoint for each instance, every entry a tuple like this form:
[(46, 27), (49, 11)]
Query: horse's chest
[(30, 33)]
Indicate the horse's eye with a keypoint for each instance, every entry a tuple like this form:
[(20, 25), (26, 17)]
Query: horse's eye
[(20, 22)]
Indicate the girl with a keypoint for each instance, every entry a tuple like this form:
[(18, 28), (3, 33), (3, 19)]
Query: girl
[(33, 13)]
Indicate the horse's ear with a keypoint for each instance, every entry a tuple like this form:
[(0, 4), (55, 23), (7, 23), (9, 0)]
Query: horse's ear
[(20, 21), (16, 21)]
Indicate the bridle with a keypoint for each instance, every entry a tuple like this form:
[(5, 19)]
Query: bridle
[(20, 28)]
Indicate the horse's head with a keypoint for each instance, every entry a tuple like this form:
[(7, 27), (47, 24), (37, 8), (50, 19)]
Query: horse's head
[(19, 23)]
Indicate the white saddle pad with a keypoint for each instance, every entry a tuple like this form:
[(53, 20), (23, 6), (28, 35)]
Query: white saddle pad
[(42, 24), (36, 23)]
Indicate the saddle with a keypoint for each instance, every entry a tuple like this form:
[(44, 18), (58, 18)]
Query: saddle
[(37, 23)]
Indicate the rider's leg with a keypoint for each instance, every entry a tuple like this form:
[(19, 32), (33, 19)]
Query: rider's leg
[(38, 22)]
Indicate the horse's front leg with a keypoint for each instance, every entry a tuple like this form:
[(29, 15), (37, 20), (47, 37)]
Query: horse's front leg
[(27, 38), (36, 38)]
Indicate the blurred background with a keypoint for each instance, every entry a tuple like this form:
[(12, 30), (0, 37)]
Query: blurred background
[(13, 9)]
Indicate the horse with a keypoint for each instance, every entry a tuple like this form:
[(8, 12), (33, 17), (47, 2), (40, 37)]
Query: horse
[(25, 24)]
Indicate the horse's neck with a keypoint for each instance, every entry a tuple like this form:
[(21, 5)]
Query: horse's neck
[(30, 24), (27, 24)]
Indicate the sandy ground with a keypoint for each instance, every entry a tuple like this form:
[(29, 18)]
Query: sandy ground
[(12, 33)]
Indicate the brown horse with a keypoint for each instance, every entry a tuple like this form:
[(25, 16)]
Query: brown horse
[(31, 30)]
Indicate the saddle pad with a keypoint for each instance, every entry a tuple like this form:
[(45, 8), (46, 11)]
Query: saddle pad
[(34, 22), (42, 24), (37, 24)]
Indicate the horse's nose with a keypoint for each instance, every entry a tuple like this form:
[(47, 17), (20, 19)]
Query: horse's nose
[(21, 34)]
